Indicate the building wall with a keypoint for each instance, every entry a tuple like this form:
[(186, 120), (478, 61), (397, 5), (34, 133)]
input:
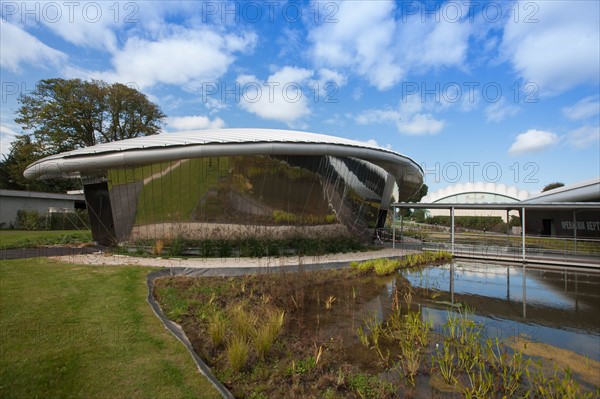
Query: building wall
[(560, 223), (12, 200), (242, 196)]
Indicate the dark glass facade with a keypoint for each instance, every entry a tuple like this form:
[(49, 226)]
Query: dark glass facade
[(234, 197)]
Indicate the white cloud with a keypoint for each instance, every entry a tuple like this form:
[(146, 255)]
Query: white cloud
[(421, 124), (410, 118), (498, 111), (378, 116), (194, 122), (373, 142), (532, 141), (19, 47), (187, 58), (583, 109), (328, 75), (584, 137), (7, 135), (368, 40), (360, 40), (559, 51), (279, 98), (89, 25)]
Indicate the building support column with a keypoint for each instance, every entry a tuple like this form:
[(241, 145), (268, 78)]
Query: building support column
[(452, 229), (575, 231), (393, 227), (523, 233)]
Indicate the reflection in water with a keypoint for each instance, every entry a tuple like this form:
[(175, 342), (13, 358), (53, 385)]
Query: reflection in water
[(558, 307)]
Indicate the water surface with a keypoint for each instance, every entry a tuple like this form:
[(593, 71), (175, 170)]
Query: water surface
[(560, 307)]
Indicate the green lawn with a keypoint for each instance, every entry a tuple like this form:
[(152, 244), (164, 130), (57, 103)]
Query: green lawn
[(87, 332), (30, 239)]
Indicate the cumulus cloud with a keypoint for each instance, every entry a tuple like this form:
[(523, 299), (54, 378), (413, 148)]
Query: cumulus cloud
[(532, 141), (90, 24), (279, 98), (412, 117), (7, 135), (417, 124), (20, 47), (500, 110), (194, 122), (368, 40), (560, 49), (583, 109), (184, 57), (421, 124), (584, 137)]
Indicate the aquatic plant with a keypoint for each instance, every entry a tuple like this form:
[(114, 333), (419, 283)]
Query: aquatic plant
[(481, 383), (410, 361), (555, 387), (387, 266), (445, 364)]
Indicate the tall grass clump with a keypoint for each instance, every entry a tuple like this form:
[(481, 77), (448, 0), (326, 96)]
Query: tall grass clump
[(243, 322), (267, 332), (237, 350), (217, 328)]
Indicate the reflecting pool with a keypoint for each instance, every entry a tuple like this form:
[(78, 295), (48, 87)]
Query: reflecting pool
[(560, 307)]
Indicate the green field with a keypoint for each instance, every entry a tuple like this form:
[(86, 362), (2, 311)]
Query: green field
[(36, 238), (87, 332)]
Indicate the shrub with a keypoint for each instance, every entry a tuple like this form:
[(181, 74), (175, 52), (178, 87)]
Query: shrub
[(29, 220)]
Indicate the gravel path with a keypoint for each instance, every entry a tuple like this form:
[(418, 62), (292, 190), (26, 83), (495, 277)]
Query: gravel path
[(116, 260)]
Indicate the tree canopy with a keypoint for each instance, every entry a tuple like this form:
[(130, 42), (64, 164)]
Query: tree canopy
[(552, 186), (65, 114), (68, 114)]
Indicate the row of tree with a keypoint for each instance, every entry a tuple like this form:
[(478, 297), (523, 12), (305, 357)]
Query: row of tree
[(66, 114)]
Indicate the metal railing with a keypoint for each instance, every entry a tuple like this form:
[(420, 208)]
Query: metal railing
[(493, 244)]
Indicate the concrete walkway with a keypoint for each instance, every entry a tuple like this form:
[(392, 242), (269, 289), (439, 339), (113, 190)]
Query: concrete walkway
[(220, 263)]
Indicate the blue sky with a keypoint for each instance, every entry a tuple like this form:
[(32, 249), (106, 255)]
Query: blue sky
[(504, 92)]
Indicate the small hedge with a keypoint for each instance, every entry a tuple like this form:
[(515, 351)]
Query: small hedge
[(251, 247), (387, 266)]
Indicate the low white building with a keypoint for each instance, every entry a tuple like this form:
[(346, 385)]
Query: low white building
[(475, 193)]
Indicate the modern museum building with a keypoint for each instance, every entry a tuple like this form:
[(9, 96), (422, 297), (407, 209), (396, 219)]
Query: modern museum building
[(235, 183)]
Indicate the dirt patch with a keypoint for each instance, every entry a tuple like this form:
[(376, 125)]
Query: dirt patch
[(588, 369)]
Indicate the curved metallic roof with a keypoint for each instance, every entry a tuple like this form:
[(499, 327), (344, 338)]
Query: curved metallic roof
[(479, 187), (588, 190), (221, 142)]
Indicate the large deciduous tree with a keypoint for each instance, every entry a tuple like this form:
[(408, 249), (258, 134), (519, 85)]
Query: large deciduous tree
[(66, 114)]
